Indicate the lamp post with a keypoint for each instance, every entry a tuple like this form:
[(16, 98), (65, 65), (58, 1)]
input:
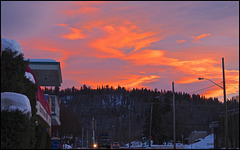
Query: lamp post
[(150, 132), (129, 123), (174, 124), (225, 102)]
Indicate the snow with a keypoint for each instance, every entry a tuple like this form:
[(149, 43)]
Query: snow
[(206, 143), (137, 143), (29, 76), (12, 44), (41, 60), (12, 101), (65, 146)]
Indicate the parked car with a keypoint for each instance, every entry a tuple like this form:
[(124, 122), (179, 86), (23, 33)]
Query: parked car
[(115, 145)]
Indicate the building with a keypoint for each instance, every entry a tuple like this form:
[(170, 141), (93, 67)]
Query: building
[(42, 106), (55, 112), (49, 100), (48, 73)]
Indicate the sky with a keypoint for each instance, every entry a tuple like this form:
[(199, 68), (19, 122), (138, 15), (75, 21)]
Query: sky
[(132, 44)]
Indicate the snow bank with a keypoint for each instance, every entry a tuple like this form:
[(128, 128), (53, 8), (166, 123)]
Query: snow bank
[(12, 44), (65, 146), (137, 143), (29, 76), (12, 101), (206, 143)]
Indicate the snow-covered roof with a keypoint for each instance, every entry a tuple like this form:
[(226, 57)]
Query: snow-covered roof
[(46, 71), (11, 101), (41, 60), (12, 44)]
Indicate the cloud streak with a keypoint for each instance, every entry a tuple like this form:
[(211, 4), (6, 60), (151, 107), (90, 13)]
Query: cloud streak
[(197, 38), (82, 10), (129, 82), (119, 38), (76, 33), (181, 41)]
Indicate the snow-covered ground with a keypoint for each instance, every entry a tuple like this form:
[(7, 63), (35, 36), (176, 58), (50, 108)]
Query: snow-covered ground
[(206, 143), (66, 146)]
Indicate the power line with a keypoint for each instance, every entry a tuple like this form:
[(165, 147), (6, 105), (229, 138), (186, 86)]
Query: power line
[(203, 88), (232, 85)]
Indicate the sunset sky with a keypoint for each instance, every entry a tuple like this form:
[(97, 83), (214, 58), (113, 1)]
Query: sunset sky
[(133, 44)]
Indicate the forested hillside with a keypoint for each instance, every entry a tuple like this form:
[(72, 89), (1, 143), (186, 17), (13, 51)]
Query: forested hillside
[(113, 108)]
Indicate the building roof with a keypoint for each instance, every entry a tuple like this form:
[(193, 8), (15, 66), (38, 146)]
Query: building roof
[(46, 71)]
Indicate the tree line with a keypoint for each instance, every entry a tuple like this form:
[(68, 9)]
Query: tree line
[(125, 114)]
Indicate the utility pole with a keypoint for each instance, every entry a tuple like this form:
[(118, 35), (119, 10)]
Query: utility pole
[(87, 138), (129, 107), (150, 132), (225, 104), (93, 127), (82, 136), (174, 126)]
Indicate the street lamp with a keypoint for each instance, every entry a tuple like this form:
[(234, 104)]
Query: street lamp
[(225, 102), (210, 81)]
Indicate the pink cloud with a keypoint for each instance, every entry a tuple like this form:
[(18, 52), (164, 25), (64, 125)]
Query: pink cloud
[(128, 81), (181, 41), (197, 38), (83, 10), (76, 33), (118, 37), (129, 33)]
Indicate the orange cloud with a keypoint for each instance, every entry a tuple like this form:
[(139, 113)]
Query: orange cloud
[(82, 10), (77, 33), (130, 81), (150, 57), (186, 80), (197, 38), (219, 92), (157, 57), (181, 41), (192, 69), (87, 10), (232, 82), (85, 3), (119, 38), (51, 48)]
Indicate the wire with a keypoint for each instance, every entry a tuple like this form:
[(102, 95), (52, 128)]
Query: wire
[(203, 88), (232, 85)]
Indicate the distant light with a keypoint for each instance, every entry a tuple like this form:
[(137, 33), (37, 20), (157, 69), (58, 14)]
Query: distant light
[(95, 145)]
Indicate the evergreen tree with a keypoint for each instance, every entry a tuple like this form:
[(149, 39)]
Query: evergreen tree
[(17, 130)]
